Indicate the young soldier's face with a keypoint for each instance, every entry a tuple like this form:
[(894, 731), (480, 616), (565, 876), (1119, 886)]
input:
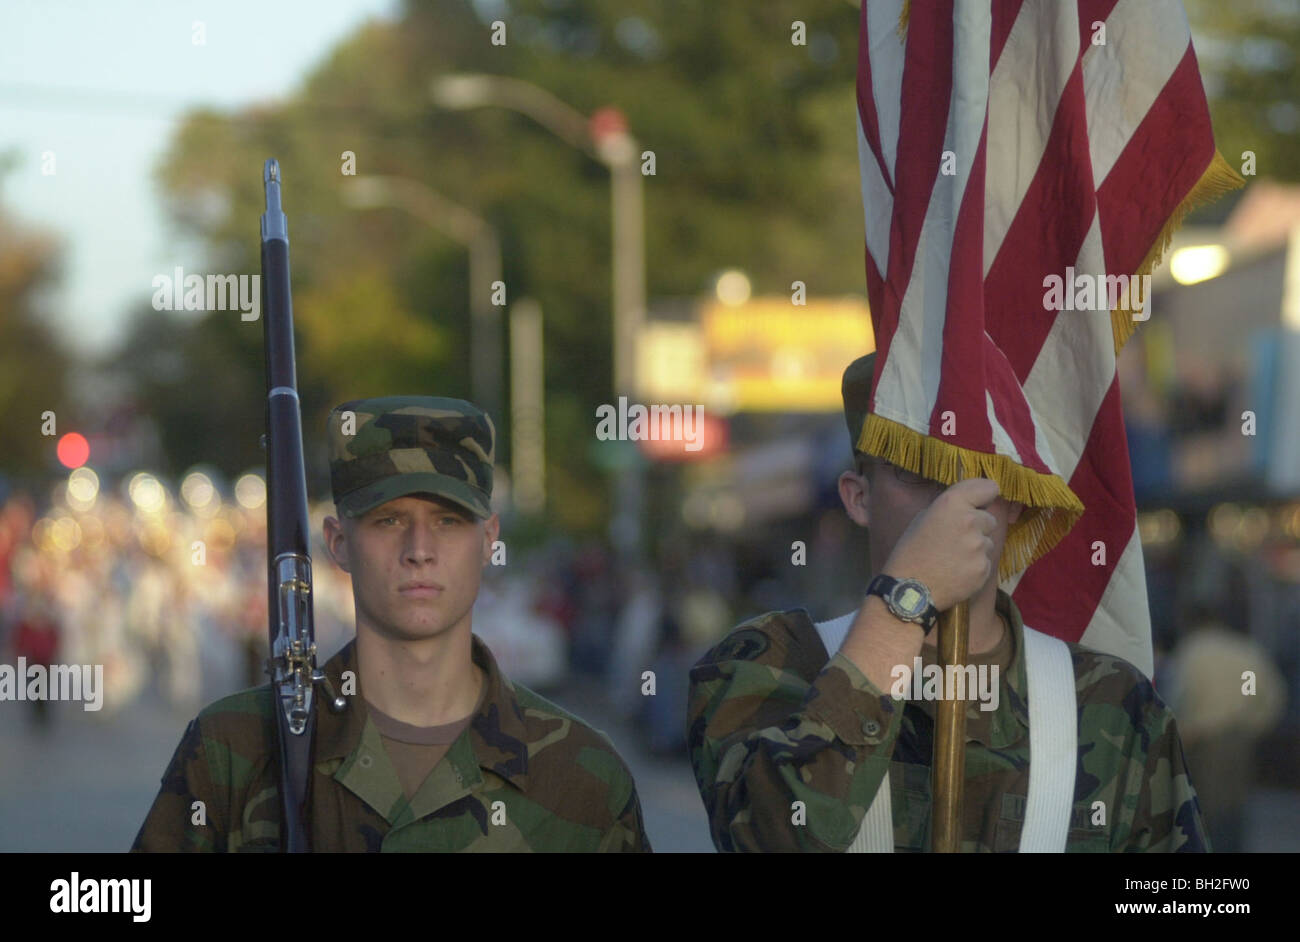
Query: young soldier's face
[(416, 563)]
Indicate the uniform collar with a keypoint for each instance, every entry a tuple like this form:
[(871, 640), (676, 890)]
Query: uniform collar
[(1015, 687), (497, 734), (1009, 723)]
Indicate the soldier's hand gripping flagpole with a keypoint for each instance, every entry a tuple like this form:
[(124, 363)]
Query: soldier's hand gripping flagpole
[(948, 768), (292, 664)]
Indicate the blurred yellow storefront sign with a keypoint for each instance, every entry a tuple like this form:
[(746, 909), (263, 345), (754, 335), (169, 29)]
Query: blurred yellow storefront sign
[(765, 355)]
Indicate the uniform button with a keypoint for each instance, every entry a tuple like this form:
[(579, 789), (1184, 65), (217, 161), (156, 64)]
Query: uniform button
[(365, 762), (871, 728)]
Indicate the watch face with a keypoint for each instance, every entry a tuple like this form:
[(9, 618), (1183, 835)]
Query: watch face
[(910, 599)]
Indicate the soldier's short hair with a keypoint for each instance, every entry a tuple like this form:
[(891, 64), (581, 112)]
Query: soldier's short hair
[(865, 465)]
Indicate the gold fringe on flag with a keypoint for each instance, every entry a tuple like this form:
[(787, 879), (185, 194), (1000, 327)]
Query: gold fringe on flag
[(1051, 508), (903, 16), (1219, 178)]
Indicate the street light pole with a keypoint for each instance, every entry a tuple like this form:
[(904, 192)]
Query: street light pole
[(606, 138), (527, 407), (485, 324), (619, 151), (485, 268)]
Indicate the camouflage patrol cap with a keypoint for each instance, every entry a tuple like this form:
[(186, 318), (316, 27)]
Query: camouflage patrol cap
[(856, 390), (400, 445)]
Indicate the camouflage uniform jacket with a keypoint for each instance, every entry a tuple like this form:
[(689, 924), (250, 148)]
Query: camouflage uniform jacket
[(773, 719), (524, 776)]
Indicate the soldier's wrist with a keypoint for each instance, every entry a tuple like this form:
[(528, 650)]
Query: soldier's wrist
[(906, 599)]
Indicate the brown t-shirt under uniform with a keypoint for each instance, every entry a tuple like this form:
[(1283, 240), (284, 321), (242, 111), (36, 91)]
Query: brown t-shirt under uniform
[(415, 750), (978, 721)]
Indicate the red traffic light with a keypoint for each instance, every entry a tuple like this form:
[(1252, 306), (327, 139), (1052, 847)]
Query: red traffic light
[(605, 122), (73, 450)]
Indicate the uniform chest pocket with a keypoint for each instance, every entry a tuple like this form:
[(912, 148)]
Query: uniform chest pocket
[(909, 799)]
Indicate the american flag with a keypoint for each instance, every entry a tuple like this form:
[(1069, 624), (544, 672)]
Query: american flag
[(1003, 145)]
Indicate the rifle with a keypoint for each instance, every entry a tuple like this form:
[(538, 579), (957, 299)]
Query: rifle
[(292, 664)]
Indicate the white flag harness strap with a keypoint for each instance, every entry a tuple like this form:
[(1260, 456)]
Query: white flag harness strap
[(1053, 743), (1053, 746)]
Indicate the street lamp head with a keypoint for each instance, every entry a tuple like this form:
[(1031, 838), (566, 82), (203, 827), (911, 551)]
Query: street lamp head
[(458, 92), (606, 121), (608, 130)]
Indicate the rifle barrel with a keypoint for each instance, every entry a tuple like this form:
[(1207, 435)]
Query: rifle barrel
[(289, 583)]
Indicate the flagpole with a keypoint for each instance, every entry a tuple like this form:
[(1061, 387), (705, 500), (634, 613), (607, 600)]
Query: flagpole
[(948, 770)]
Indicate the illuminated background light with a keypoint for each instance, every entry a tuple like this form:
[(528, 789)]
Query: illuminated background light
[(1158, 527), (65, 534), (198, 491), (82, 488), (250, 491), (1194, 263), (73, 450), (732, 287), (146, 492)]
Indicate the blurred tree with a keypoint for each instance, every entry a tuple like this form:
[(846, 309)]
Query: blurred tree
[(756, 167), (1249, 53), (33, 367), (204, 384)]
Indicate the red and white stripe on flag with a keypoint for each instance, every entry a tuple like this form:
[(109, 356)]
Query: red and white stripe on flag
[(1002, 143)]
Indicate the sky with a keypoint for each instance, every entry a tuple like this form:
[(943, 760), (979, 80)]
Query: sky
[(101, 85)]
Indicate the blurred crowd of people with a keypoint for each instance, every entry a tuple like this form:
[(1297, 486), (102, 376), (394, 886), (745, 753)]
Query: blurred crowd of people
[(172, 596), (175, 598)]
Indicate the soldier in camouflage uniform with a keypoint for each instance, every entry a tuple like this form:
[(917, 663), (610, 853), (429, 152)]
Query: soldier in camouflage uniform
[(774, 718), (437, 750)]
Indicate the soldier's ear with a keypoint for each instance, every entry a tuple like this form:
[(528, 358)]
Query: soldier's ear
[(491, 531), (336, 543), (855, 489)]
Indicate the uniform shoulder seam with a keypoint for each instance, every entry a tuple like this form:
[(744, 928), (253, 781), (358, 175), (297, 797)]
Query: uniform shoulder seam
[(1088, 659), (782, 627), (531, 699), (1091, 657)]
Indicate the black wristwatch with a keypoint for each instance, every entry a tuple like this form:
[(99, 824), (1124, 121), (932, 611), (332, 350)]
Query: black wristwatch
[(907, 599)]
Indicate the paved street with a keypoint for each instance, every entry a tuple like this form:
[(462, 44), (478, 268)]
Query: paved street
[(86, 783), (87, 786)]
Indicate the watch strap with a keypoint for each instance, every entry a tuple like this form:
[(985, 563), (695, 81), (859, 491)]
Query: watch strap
[(883, 586)]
